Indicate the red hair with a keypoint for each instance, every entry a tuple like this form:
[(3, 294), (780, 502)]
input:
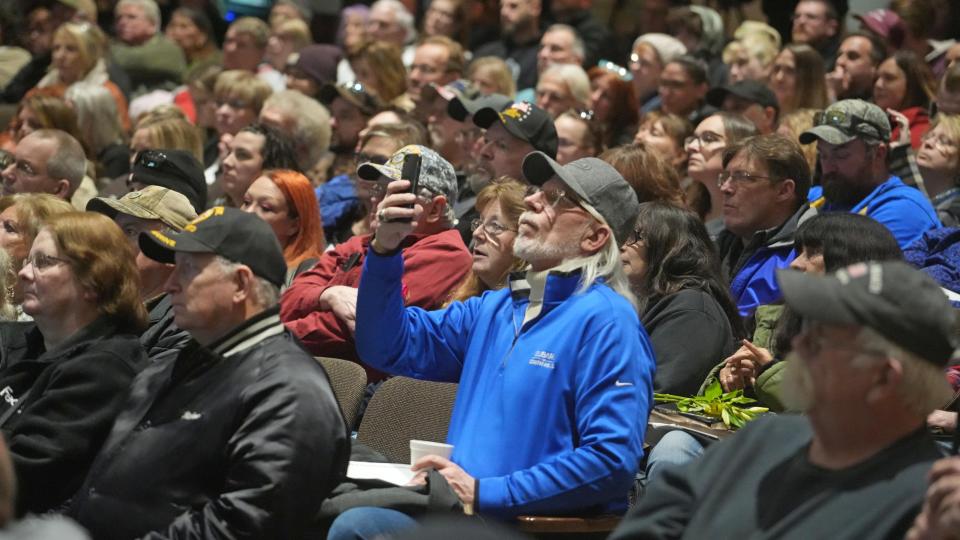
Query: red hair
[(309, 242), (624, 109)]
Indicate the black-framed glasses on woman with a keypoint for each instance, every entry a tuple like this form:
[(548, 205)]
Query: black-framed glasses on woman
[(634, 238)]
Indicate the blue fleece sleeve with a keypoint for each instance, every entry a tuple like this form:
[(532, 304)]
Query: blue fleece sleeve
[(613, 399), (407, 341), (906, 217)]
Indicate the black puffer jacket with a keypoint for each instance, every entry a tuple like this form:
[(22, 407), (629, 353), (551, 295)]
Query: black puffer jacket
[(66, 400), (241, 440)]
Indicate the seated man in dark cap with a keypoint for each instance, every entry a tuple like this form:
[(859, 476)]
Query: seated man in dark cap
[(176, 170), (867, 369), (750, 98), (238, 436)]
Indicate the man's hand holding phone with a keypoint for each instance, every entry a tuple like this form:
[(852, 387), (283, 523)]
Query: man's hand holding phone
[(397, 216)]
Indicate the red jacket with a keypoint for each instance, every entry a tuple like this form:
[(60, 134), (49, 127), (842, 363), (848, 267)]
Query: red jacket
[(434, 265), (919, 122)]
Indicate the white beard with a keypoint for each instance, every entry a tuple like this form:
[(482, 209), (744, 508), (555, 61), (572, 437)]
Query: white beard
[(796, 388), (533, 249)]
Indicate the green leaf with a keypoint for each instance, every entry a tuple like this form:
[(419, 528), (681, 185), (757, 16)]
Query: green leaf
[(713, 391)]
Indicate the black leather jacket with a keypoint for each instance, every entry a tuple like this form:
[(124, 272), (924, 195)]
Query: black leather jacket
[(240, 440)]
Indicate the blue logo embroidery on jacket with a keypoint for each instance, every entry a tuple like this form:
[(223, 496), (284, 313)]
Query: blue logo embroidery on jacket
[(543, 359)]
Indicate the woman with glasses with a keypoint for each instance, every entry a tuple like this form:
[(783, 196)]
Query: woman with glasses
[(285, 200), (500, 205), (705, 162), (66, 376), (686, 308), (938, 159), (21, 217)]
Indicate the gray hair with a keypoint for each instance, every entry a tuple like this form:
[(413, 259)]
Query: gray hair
[(96, 114), (574, 77), (311, 135), (149, 7), (403, 16), (265, 294), (606, 264), (68, 160), (924, 387), (579, 48)]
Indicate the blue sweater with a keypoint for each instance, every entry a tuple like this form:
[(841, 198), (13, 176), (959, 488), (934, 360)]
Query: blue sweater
[(549, 416)]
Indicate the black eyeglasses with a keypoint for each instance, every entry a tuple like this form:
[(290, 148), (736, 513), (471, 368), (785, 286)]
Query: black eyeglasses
[(151, 159), (634, 238), (847, 122)]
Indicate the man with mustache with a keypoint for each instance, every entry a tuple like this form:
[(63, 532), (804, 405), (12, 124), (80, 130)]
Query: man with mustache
[(852, 137), (560, 352), (866, 370)]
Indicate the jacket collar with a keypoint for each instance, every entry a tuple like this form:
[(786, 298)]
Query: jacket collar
[(549, 286), (101, 327), (254, 330)]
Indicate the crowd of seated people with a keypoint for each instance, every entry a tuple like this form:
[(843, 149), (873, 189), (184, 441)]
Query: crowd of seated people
[(573, 211)]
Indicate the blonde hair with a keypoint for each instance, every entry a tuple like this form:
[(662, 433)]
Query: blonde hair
[(797, 122), (498, 71), (174, 133), (297, 31), (386, 63), (244, 86), (253, 27), (576, 79), (90, 42), (97, 116)]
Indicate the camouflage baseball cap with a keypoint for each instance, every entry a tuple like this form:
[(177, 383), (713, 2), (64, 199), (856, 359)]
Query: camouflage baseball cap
[(847, 120), (436, 174)]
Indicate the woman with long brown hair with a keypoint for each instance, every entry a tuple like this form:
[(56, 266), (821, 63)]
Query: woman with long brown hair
[(799, 79)]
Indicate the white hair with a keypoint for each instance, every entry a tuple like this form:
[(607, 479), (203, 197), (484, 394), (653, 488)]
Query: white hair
[(924, 387), (149, 7), (265, 294), (403, 16), (311, 136), (97, 115), (578, 48), (606, 264), (576, 79)]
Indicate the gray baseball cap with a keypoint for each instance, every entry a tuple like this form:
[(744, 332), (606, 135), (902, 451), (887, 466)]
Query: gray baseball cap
[(596, 183), (436, 174), (899, 302), (847, 120)]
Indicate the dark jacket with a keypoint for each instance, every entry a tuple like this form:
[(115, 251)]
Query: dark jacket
[(520, 57), (751, 267), (66, 400), (243, 439), (162, 336), (690, 333)]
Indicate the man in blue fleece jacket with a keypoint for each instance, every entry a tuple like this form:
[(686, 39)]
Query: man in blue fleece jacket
[(555, 371)]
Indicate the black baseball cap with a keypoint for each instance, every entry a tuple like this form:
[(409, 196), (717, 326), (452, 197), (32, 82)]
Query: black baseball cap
[(525, 121), (899, 302), (176, 170), (460, 107), (355, 93), (748, 90), (228, 232)]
